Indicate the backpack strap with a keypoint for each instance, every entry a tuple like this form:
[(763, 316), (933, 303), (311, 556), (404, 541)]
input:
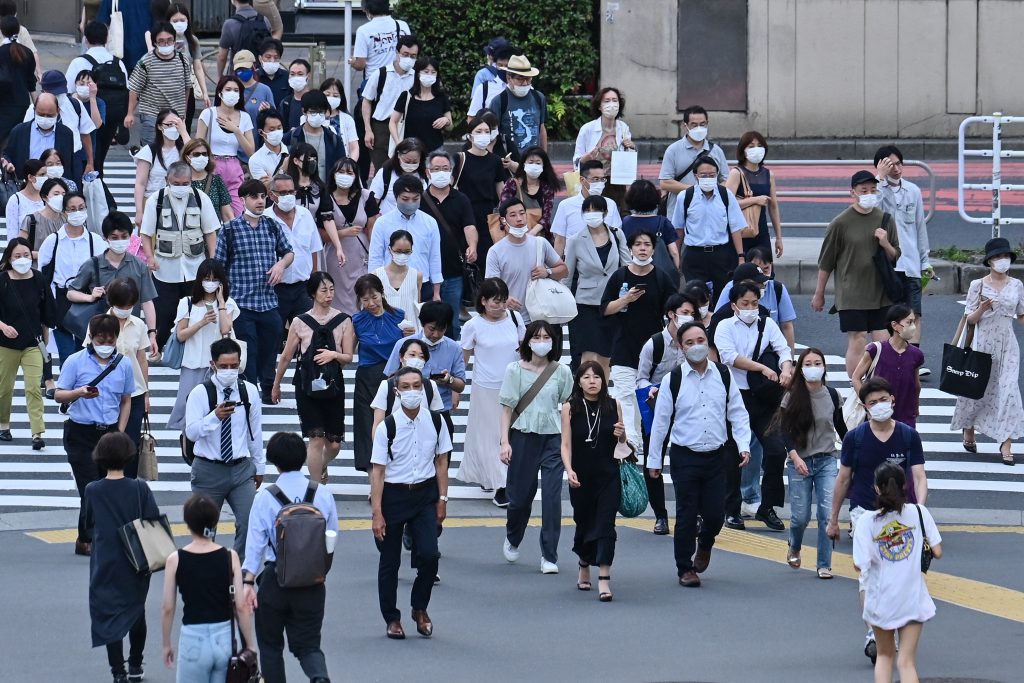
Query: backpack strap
[(310, 492), (724, 194), (211, 394), (838, 423), (428, 388), (243, 394), (515, 320), (390, 428), (777, 286), (382, 77), (279, 496), (657, 353), (436, 419), (390, 396), (687, 198)]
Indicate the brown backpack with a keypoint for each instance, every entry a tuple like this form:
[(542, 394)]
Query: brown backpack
[(299, 540)]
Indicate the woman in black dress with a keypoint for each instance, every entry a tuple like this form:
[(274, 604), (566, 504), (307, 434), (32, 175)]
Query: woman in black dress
[(479, 175), (117, 594), (428, 115), (18, 67), (591, 426)]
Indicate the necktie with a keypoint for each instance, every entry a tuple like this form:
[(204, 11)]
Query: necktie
[(225, 432)]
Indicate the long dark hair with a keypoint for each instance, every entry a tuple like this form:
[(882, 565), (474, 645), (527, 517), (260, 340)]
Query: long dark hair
[(190, 38), (10, 27), (5, 260), (576, 399), (547, 176), (343, 105), (890, 480), (210, 267), (304, 149), (404, 147), (351, 166), (157, 146), (437, 90), (796, 419)]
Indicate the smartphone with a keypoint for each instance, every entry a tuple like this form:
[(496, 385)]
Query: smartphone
[(230, 404), (641, 286), (91, 389), (437, 377), (209, 307)]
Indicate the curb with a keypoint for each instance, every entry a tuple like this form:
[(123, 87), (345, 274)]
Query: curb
[(801, 276)]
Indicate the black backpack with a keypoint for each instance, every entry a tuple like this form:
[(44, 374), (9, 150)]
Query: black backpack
[(391, 429), (188, 446), (111, 86), (657, 352), (428, 387), (309, 371), (252, 31)]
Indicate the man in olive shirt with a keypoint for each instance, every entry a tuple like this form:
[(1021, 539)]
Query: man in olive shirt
[(851, 240)]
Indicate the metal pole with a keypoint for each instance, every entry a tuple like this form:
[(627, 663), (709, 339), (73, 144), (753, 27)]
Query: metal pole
[(997, 171), (348, 53)]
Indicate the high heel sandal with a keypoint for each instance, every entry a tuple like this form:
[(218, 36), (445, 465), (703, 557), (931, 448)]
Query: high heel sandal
[(1007, 458), (970, 446), (583, 585), (604, 596)]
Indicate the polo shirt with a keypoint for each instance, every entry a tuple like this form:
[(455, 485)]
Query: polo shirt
[(130, 267)]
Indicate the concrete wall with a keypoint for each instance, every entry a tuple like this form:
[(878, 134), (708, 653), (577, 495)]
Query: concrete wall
[(831, 68)]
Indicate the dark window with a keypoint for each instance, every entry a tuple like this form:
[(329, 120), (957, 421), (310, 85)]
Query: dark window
[(712, 48)]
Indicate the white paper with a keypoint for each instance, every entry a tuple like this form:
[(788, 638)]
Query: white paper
[(330, 540), (623, 167)]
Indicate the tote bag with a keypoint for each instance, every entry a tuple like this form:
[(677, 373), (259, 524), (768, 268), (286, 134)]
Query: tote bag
[(115, 34), (965, 372), (147, 542), (634, 498), (548, 299)]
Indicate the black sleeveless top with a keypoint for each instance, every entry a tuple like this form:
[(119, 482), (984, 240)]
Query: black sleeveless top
[(203, 581)]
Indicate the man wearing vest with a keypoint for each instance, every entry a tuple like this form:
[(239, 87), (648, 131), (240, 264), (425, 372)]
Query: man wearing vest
[(179, 230), (408, 486), (298, 610), (228, 435), (699, 412)]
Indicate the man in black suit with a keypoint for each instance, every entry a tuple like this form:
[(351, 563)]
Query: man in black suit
[(30, 139)]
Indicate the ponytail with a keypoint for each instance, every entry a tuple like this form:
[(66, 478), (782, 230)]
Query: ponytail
[(10, 28), (890, 481)]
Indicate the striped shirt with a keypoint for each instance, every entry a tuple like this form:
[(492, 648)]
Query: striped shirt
[(247, 254), (161, 83)]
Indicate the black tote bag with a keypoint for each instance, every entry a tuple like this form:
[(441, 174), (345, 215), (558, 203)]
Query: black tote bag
[(965, 372)]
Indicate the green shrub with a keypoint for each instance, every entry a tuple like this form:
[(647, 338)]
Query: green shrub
[(557, 36)]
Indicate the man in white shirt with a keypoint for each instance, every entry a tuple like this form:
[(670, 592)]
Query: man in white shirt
[(408, 488), (695, 412), (377, 39), (568, 220), (269, 158), (179, 231), (514, 259), (73, 115), (300, 226), (228, 435), (426, 236), (382, 90), (744, 343)]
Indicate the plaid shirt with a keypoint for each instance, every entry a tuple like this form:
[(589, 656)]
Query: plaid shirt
[(247, 254)]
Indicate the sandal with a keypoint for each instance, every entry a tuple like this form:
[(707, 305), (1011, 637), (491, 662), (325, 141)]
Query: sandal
[(824, 573), (969, 446), (793, 558), (580, 583), (604, 596), (1007, 458)]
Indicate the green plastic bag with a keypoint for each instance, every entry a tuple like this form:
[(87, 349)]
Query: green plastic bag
[(634, 499)]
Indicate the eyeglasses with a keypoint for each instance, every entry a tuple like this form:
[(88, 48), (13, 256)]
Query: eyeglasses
[(285, 193)]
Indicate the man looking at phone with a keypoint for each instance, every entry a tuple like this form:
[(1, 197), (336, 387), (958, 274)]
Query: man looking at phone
[(223, 416)]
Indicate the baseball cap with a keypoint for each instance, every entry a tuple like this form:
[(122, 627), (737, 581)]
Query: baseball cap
[(862, 177), (748, 271), (243, 60)]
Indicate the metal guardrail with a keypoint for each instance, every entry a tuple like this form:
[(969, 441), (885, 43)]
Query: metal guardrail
[(863, 163), (997, 186)]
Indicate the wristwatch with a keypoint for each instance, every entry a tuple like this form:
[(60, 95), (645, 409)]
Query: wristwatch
[(249, 582), (548, 271), (443, 499), (150, 331)]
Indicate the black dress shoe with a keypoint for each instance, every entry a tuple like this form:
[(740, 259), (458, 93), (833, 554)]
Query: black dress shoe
[(395, 631), (661, 526), (5, 435), (770, 519), (689, 579), (423, 624), (734, 522), (701, 559)]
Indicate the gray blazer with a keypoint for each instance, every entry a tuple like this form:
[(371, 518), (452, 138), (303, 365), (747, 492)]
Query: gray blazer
[(583, 261)]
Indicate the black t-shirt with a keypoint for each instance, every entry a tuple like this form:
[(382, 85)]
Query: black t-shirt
[(419, 120), (643, 317), (478, 178), (457, 210), (25, 305)]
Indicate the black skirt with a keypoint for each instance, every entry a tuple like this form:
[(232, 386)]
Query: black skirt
[(368, 379), (591, 332)]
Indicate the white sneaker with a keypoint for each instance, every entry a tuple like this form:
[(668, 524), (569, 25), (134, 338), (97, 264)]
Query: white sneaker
[(923, 372), (510, 551), (547, 567), (748, 510)]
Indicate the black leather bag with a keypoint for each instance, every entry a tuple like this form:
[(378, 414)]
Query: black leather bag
[(892, 282), (763, 389), (243, 666)]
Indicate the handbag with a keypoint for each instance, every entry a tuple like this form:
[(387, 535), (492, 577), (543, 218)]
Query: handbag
[(115, 33), (147, 542), (147, 452), (470, 272), (633, 499), (8, 187), (243, 665), (96, 203), (548, 299), (244, 346), (534, 389), (79, 314), (926, 551), (174, 350), (752, 213), (854, 412), (965, 372), (763, 389), (892, 283)]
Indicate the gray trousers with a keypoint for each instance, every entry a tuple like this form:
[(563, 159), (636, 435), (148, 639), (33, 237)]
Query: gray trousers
[(530, 453), (234, 483)]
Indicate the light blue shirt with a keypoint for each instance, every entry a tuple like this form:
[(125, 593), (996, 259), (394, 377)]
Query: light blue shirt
[(259, 540), (426, 243), (39, 142), (707, 221), (80, 369), (781, 310), (447, 355)]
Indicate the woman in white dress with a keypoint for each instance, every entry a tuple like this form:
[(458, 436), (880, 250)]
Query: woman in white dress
[(402, 284), (492, 339), (992, 304)]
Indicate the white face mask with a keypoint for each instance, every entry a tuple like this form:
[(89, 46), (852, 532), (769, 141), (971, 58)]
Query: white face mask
[(316, 120), (533, 170), (333, 102), (118, 246), (56, 203), (481, 140), (704, 311), (880, 412), (1000, 265), (518, 232), (441, 179), (343, 180), (748, 316), (401, 259), (593, 218), (38, 181), (540, 348), (494, 135), (274, 137), (286, 202), (179, 191), (78, 218), (414, 362), (297, 82), (868, 201), (171, 133), (427, 80), (179, 26), (707, 184), (82, 91), (755, 155), (683, 319), (165, 50), (253, 214), (270, 68), (122, 313), (229, 97), (409, 167), (198, 163), (814, 373), (596, 188), (227, 377), (103, 351), (54, 171), (406, 63), (698, 134), (642, 262), (411, 400), (210, 286), (697, 353), (46, 122), (610, 109), (21, 265), (520, 90)]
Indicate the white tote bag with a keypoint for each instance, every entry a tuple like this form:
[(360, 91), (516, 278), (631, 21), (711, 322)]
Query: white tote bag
[(548, 299), (854, 413), (115, 34), (96, 203)]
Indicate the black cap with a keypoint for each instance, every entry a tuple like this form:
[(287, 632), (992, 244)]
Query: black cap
[(748, 271), (863, 177), (496, 44)]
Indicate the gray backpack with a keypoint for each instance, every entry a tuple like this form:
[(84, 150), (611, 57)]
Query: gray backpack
[(299, 540)]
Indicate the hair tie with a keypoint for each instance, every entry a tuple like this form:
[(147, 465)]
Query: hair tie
[(209, 533)]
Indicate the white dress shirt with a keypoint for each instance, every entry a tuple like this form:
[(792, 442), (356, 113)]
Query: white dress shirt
[(203, 427), (426, 243), (264, 161), (670, 360), (394, 85), (305, 241), (568, 220), (415, 448), (72, 252), (735, 338), (701, 408), (183, 268)]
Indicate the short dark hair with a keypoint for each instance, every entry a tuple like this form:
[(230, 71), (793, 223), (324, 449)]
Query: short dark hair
[(271, 44), (408, 40), (201, 514), (104, 325), (896, 313), (705, 160), (419, 342), (315, 99), (266, 115), (399, 235), (377, 7), (51, 183), (68, 196), (595, 104), (491, 288), (683, 329), (590, 165), (224, 347), (595, 202), (631, 240), (286, 451), (746, 139), (302, 62), (408, 183), (122, 292), (695, 109), (116, 222), (742, 288), (113, 451), (316, 279), (697, 290), (885, 151), (438, 313), (676, 300), (509, 203), (642, 196), (554, 331), (164, 26), (96, 33), (252, 188), (30, 167), (406, 370), (8, 8), (763, 254), (873, 385)]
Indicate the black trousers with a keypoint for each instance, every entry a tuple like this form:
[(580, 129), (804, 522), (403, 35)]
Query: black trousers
[(104, 139), (79, 442), (773, 491), (699, 483), (136, 646), (299, 612), (655, 487), (710, 264), (292, 300), (418, 510), (168, 294)]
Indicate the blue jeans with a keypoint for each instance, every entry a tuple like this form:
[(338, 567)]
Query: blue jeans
[(821, 477), (750, 476), (262, 332), (203, 652), (66, 342), (451, 294)]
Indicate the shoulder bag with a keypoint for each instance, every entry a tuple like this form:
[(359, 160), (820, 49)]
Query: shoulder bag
[(401, 125), (854, 413), (763, 389), (471, 277), (243, 665), (926, 550), (147, 452), (752, 213), (548, 299), (115, 35), (534, 389), (147, 542), (892, 283), (79, 314), (965, 372), (64, 407)]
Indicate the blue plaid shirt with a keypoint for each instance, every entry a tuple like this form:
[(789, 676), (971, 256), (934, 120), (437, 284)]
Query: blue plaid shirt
[(247, 254)]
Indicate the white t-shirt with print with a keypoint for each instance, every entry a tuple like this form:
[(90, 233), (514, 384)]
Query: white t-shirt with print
[(377, 41)]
